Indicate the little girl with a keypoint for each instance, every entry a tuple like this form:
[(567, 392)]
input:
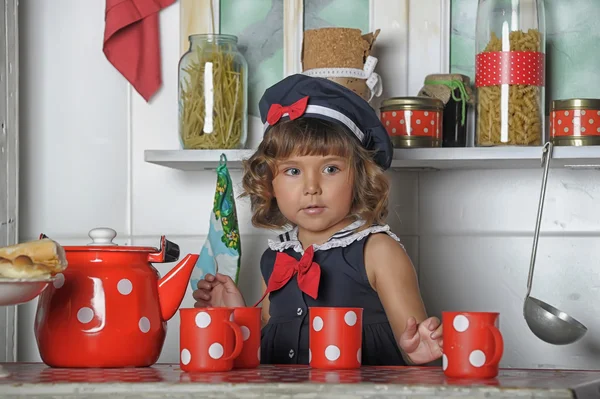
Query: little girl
[(320, 168)]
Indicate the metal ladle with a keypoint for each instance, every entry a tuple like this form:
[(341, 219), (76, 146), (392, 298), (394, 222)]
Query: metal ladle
[(547, 322)]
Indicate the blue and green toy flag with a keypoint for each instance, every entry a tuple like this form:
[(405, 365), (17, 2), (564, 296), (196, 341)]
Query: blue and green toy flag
[(222, 250)]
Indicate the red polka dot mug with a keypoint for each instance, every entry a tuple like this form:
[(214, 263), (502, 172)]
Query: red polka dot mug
[(248, 318), (473, 344), (335, 337), (209, 340)]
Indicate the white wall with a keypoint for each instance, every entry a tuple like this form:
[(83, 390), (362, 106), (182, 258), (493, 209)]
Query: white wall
[(475, 235), (83, 133)]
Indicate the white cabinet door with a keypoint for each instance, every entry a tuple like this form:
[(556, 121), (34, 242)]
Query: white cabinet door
[(9, 153)]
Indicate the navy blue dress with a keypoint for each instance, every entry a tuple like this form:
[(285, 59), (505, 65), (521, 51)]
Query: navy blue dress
[(343, 283)]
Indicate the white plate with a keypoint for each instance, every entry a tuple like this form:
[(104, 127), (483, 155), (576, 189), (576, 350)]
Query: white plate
[(17, 291)]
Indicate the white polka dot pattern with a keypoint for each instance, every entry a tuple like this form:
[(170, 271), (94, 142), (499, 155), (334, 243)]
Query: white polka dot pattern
[(332, 353), (85, 315), (215, 351), (186, 356), (460, 323), (494, 68), (350, 318), (203, 320), (124, 286), (412, 123), (245, 332), (317, 323), (144, 325), (477, 358), (574, 123)]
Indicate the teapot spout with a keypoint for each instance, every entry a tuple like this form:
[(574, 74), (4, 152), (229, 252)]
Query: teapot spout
[(172, 286)]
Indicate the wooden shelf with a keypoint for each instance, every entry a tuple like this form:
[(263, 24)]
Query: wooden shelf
[(417, 159)]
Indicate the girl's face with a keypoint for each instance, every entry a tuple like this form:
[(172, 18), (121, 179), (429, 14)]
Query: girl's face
[(314, 192)]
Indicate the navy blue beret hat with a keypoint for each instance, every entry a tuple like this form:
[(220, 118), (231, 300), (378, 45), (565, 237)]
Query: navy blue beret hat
[(300, 95)]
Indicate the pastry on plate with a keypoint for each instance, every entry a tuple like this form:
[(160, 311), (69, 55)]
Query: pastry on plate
[(38, 259)]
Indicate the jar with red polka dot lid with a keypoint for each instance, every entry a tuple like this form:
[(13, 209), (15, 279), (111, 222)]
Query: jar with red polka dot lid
[(575, 122), (510, 46), (413, 121)]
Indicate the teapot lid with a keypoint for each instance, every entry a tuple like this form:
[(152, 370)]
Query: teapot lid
[(102, 240)]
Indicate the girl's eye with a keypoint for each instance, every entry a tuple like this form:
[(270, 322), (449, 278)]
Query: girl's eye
[(331, 169), (292, 172)]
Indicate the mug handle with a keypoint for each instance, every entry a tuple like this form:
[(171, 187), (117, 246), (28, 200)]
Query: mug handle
[(498, 344), (239, 342)]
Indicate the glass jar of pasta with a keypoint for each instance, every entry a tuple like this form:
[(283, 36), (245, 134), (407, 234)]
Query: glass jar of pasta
[(510, 72), (213, 88)]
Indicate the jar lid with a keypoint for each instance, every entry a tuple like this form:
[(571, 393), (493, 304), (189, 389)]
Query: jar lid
[(576, 103), (412, 103), (442, 86)]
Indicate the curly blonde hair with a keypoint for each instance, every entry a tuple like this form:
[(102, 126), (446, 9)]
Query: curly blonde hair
[(311, 136)]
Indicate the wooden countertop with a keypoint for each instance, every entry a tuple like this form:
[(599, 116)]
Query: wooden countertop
[(168, 381)]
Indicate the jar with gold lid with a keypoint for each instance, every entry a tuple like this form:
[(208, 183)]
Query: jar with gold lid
[(575, 122), (413, 121)]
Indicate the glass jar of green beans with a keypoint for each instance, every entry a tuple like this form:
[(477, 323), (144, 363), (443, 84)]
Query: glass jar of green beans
[(213, 92)]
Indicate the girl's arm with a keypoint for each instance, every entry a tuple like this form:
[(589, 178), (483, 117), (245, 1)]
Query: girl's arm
[(392, 275), (264, 314)]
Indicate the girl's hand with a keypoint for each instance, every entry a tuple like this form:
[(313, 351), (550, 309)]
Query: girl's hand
[(422, 343), (218, 291)]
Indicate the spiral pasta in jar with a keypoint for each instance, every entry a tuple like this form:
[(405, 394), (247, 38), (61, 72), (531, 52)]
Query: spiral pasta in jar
[(510, 72)]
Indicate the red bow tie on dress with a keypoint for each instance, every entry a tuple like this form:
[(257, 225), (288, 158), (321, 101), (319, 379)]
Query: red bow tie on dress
[(294, 111), (309, 273)]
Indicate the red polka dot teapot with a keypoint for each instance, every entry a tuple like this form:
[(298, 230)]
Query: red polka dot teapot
[(110, 307)]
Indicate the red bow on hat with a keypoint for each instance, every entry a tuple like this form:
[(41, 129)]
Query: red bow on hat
[(294, 111), (309, 273)]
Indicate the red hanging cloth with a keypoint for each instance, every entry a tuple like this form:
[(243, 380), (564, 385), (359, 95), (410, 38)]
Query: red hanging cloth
[(132, 43)]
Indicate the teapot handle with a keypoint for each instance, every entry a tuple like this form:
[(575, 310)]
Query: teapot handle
[(169, 252)]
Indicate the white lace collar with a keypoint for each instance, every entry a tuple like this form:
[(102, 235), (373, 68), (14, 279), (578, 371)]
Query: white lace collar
[(342, 238)]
